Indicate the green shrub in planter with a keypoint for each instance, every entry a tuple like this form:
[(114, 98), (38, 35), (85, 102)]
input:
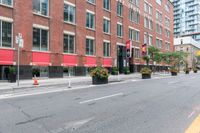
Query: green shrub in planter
[(99, 75), (126, 70), (146, 73), (12, 74), (36, 72), (195, 70), (187, 70), (114, 71), (174, 71)]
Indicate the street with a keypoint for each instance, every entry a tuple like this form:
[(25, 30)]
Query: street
[(166, 105)]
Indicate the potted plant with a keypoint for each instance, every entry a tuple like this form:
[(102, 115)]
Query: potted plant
[(146, 73), (195, 70), (187, 70), (174, 71), (114, 71), (36, 72), (126, 70), (99, 75), (12, 74)]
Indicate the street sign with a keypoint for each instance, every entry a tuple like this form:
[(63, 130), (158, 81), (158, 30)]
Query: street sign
[(19, 40), (21, 43)]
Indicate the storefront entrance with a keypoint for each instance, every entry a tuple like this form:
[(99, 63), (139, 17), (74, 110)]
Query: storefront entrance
[(121, 58), (4, 70)]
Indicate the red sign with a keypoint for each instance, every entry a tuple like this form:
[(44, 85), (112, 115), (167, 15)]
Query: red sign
[(70, 60), (6, 57), (40, 59)]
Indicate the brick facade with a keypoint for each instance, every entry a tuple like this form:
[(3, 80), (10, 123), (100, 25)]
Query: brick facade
[(24, 18)]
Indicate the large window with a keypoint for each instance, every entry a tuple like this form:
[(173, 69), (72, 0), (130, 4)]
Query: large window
[(159, 2), (91, 1), (41, 6), (167, 45), (106, 25), (148, 23), (134, 16), (90, 46), (137, 53), (90, 20), (40, 39), (5, 34), (69, 13), (159, 16), (69, 44), (119, 30), (119, 8), (159, 43), (106, 4), (106, 49), (6, 2), (134, 35), (135, 2), (158, 28)]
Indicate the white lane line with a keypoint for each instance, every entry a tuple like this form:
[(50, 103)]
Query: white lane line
[(26, 94), (101, 98), (191, 114)]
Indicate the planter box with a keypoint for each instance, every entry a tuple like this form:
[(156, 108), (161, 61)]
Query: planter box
[(187, 72), (146, 76), (114, 73), (12, 78), (174, 73), (99, 81)]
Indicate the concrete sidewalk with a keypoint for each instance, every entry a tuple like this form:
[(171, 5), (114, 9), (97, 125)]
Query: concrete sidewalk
[(75, 81)]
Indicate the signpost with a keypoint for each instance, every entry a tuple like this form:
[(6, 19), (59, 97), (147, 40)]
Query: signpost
[(20, 42)]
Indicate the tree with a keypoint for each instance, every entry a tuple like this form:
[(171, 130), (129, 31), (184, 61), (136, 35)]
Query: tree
[(174, 58), (153, 54)]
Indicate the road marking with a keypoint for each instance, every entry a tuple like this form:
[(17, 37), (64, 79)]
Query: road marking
[(191, 114), (195, 126), (101, 98), (77, 124), (17, 95)]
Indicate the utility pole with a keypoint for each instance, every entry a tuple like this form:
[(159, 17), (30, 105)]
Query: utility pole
[(20, 43)]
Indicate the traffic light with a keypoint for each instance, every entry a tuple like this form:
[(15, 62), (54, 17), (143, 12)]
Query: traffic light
[(128, 49), (144, 49)]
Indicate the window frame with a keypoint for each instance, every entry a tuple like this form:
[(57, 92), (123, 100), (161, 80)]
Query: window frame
[(108, 48), (74, 45), (41, 28), (94, 47), (3, 4), (74, 7), (40, 12), (1, 30), (94, 22)]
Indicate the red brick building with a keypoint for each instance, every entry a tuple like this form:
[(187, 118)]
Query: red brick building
[(81, 33)]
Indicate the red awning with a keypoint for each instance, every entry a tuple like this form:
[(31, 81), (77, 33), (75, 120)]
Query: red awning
[(107, 62), (90, 62), (40, 59), (70, 60), (6, 57)]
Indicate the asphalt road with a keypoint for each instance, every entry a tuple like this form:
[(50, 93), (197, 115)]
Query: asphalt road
[(166, 105)]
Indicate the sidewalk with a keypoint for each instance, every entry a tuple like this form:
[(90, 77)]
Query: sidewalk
[(75, 81)]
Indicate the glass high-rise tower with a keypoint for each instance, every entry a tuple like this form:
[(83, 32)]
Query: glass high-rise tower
[(187, 18)]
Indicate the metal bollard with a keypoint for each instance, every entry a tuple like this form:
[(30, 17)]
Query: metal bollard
[(118, 77), (69, 81)]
